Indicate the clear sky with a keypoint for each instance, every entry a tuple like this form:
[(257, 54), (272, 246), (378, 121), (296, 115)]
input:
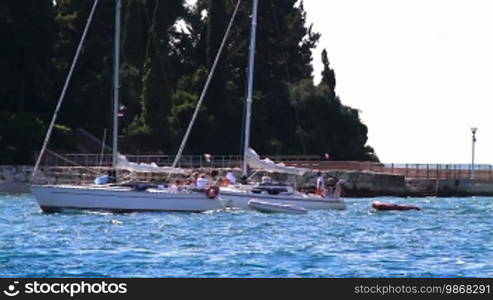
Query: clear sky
[(420, 71)]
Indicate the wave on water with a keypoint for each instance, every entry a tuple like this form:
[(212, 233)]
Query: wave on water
[(449, 237)]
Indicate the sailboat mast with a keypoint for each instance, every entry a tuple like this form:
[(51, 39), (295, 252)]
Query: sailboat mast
[(116, 81), (251, 63)]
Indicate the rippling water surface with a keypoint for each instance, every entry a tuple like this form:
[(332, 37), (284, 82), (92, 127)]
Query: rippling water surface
[(450, 237)]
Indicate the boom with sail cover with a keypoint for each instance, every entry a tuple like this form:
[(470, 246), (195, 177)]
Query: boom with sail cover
[(123, 164), (254, 161)]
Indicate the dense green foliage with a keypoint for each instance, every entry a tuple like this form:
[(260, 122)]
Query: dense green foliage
[(167, 50)]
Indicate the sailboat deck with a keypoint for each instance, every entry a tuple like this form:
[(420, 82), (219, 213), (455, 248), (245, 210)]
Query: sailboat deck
[(116, 188)]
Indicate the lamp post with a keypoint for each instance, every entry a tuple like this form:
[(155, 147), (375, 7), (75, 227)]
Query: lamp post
[(473, 130)]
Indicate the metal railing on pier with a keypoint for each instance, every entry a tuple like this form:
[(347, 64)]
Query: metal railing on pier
[(187, 161), (441, 171), (412, 171), (98, 160)]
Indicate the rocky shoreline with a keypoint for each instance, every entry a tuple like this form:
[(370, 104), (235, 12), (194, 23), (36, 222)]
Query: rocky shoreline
[(358, 184)]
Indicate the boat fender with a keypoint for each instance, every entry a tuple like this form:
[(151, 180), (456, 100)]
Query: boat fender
[(212, 192), (102, 179)]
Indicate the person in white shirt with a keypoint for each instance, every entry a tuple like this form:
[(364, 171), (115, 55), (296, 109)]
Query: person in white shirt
[(231, 177), (320, 184), (202, 182)]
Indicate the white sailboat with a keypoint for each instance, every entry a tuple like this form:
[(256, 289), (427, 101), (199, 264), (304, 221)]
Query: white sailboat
[(115, 197), (120, 199), (238, 196)]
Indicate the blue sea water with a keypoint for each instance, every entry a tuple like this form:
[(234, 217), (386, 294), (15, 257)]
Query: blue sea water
[(450, 237)]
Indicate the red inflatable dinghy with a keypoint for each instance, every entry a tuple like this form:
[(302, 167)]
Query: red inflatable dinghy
[(391, 206)]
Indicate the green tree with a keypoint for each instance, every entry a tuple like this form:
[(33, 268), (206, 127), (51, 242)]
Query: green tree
[(28, 29), (152, 129), (88, 101), (167, 51), (330, 127), (26, 70), (136, 23)]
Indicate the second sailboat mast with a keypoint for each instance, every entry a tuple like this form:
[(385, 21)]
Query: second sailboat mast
[(251, 67)]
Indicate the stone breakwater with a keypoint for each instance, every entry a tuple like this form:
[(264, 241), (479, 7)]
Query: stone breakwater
[(17, 179)]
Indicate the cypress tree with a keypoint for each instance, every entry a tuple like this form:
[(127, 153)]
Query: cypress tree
[(215, 32), (328, 74), (152, 127)]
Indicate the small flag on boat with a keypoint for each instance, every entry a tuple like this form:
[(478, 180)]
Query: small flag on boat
[(327, 156), (208, 157)]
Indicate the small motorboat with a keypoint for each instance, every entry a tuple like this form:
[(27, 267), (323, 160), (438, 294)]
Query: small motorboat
[(272, 207), (392, 206)]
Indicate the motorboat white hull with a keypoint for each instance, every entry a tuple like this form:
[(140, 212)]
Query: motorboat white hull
[(53, 198), (239, 199), (269, 207)]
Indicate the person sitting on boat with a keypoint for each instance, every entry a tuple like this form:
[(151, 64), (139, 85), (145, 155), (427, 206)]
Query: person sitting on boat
[(219, 181), (330, 186), (320, 190), (202, 182), (194, 177), (338, 188), (176, 185), (266, 180), (111, 176), (189, 183), (214, 174), (230, 178)]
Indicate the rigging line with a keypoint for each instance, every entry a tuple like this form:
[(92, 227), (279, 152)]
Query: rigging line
[(209, 78), (62, 95), (71, 161), (288, 74)]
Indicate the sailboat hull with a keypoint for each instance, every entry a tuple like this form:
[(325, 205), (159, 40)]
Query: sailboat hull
[(239, 199), (121, 199)]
